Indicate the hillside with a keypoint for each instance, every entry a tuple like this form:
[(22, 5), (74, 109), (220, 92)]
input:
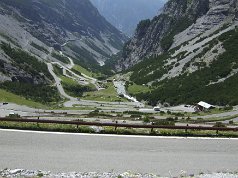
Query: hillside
[(125, 15), (36, 32), (186, 54), (73, 26)]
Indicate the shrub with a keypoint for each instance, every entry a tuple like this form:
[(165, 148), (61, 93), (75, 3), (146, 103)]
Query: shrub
[(219, 124), (146, 120)]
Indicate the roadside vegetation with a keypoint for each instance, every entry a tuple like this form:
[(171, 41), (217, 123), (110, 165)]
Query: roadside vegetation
[(113, 130)]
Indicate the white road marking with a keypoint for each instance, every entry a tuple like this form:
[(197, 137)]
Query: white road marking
[(111, 135)]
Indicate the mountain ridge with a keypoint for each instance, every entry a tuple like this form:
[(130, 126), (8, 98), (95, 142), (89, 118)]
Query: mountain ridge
[(173, 64)]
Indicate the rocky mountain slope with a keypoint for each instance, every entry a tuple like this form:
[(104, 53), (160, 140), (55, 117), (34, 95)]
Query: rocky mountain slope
[(33, 32), (125, 15), (74, 26), (186, 53)]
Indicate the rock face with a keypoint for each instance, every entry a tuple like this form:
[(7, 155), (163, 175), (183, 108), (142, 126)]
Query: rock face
[(125, 15), (186, 54), (219, 12), (61, 22), (180, 21)]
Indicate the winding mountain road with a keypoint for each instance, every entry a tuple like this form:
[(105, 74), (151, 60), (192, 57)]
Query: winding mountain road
[(84, 79), (121, 106), (58, 83)]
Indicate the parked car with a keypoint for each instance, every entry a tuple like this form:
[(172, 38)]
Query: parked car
[(156, 108)]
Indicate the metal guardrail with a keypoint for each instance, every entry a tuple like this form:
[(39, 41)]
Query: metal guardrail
[(116, 125)]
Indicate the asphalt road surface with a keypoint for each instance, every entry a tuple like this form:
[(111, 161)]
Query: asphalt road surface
[(80, 152)]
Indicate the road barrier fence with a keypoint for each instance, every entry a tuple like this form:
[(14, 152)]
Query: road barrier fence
[(119, 125)]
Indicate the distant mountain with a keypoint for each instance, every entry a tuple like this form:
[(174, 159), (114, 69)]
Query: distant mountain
[(187, 53), (126, 14)]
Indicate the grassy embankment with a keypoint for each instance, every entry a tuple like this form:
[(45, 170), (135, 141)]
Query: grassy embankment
[(111, 130), (6, 96), (135, 89), (108, 94), (78, 69)]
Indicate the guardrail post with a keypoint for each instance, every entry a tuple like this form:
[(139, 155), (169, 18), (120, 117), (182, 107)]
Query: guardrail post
[(186, 130), (38, 118), (152, 129), (116, 125), (78, 124)]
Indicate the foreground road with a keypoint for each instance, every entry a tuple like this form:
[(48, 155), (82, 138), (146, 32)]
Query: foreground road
[(72, 152)]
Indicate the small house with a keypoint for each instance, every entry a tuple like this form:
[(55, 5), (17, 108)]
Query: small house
[(203, 106)]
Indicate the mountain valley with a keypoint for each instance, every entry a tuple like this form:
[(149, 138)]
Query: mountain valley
[(85, 94), (180, 56)]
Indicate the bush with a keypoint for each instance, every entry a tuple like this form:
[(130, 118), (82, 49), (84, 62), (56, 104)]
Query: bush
[(227, 108), (169, 112), (219, 124), (146, 120), (164, 122), (14, 116)]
